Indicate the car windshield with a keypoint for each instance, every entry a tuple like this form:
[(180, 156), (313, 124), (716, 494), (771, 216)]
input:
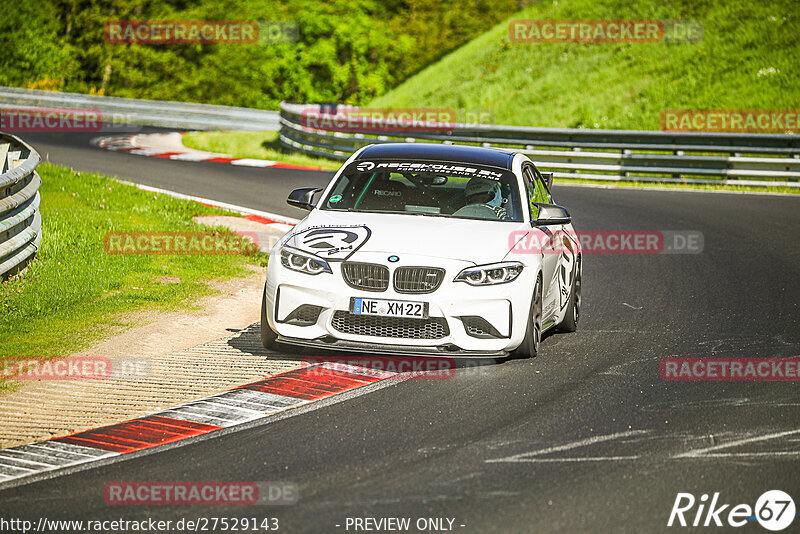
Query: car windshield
[(427, 188)]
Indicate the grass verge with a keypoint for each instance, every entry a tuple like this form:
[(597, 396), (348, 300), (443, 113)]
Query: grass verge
[(74, 293), (258, 145), (702, 187)]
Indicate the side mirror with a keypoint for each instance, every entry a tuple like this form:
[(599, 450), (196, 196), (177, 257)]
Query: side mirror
[(551, 214), (548, 180), (302, 198)]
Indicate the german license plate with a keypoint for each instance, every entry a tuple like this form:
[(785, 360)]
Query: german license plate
[(389, 308)]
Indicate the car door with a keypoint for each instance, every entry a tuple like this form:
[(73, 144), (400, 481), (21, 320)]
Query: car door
[(536, 192), (564, 254)]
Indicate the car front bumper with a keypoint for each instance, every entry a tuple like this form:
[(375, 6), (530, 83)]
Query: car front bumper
[(452, 309)]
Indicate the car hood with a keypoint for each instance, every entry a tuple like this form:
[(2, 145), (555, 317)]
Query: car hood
[(338, 235)]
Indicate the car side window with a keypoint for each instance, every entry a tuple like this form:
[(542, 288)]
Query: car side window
[(530, 190), (541, 189)]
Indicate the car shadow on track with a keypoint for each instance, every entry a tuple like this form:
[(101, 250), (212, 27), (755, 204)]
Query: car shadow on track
[(248, 341)]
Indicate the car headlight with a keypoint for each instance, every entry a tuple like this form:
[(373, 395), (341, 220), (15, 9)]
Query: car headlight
[(302, 262), (495, 273)]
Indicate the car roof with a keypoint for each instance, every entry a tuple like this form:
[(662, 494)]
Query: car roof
[(438, 152)]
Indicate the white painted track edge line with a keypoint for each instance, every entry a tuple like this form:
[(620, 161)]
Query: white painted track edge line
[(216, 203)]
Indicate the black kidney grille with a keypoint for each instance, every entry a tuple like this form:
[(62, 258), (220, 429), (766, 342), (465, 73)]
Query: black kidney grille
[(366, 276), (418, 279)]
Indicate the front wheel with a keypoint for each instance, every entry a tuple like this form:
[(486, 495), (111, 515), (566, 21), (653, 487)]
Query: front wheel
[(268, 336), (529, 347)]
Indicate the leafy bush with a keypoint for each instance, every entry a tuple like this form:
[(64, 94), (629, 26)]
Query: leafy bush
[(347, 50)]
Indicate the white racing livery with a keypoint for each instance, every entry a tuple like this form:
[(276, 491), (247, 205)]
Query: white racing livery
[(414, 248)]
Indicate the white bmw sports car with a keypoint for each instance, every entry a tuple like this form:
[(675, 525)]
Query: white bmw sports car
[(415, 249)]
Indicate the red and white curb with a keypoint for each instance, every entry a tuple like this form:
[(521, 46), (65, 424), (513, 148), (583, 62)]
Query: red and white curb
[(170, 146), (252, 402)]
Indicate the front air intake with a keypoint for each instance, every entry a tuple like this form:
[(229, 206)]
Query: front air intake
[(396, 327), (479, 327), (304, 315)]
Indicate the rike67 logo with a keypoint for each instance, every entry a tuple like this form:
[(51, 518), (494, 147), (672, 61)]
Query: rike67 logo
[(774, 510)]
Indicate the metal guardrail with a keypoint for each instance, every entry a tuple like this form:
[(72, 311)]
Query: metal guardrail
[(120, 111), (612, 155), (20, 220)]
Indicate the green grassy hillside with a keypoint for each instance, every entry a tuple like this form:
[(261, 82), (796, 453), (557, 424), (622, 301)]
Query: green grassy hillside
[(747, 59)]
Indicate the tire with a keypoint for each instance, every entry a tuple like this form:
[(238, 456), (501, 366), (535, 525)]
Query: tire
[(268, 336), (529, 347), (573, 313)]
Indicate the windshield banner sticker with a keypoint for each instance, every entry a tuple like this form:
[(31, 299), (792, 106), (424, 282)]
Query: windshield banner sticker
[(441, 168)]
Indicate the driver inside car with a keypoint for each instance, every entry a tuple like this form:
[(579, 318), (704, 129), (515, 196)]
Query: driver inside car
[(484, 200)]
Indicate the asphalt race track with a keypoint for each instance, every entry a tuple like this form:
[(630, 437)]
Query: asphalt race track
[(586, 437), (243, 186)]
